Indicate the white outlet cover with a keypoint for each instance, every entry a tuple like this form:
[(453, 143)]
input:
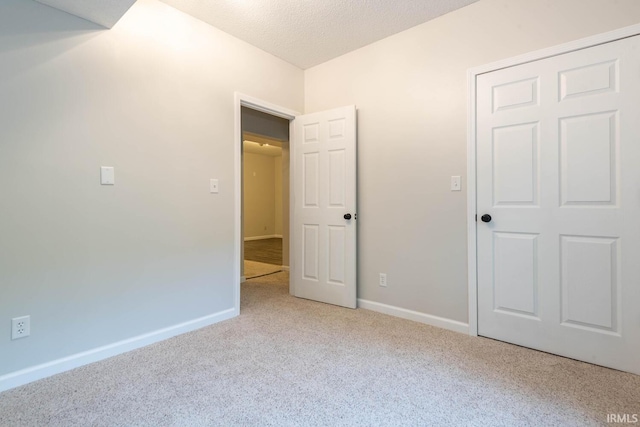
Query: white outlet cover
[(383, 280), (20, 327)]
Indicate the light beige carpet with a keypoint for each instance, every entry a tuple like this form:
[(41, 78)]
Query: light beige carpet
[(256, 269), (292, 362)]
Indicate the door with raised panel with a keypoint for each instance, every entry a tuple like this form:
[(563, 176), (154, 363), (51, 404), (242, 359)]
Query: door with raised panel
[(558, 203), (323, 264)]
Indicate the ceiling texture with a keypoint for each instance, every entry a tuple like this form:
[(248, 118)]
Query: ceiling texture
[(302, 32)]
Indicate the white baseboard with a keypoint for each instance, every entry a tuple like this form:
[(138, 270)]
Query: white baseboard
[(440, 322), (284, 267), (243, 279), (271, 236), (24, 376)]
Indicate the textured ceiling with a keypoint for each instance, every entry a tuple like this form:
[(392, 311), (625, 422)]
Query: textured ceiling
[(309, 32), (302, 32), (102, 12)]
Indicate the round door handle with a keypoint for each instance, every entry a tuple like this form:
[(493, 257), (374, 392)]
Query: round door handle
[(486, 218), (347, 216)]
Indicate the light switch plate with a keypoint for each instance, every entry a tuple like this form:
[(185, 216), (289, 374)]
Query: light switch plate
[(455, 183), (213, 186), (107, 175)]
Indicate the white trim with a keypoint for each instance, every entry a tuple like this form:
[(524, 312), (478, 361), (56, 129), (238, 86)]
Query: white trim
[(472, 75), (271, 236), (48, 369), (472, 261), (292, 199), (284, 267), (237, 193), (266, 107), (428, 319), (243, 279), (242, 100)]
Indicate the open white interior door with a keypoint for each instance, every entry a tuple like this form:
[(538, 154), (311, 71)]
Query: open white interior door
[(323, 266)]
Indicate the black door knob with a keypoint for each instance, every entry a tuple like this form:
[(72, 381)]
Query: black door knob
[(347, 216), (486, 218)]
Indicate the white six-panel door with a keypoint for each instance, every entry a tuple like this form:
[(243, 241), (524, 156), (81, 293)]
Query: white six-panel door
[(324, 176), (558, 170)]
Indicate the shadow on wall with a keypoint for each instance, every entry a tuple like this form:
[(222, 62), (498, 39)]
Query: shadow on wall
[(31, 35)]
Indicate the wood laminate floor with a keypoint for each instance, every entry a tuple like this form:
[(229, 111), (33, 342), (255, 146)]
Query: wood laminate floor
[(268, 251)]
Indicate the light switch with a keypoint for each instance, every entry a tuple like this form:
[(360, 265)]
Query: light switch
[(107, 175), (455, 183), (213, 186)]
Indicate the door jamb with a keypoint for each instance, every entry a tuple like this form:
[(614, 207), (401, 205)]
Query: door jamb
[(472, 75), (242, 100)]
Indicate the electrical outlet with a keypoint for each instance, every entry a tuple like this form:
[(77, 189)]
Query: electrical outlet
[(20, 327), (383, 279)]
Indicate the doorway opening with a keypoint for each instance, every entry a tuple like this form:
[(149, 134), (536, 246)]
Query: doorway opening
[(320, 229), (265, 193), (259, 126)]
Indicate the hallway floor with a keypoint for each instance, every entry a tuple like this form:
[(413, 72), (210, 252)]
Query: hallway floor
[(267, 250)]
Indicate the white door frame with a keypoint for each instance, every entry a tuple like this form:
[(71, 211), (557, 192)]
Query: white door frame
[(472, 74), (242, 100)]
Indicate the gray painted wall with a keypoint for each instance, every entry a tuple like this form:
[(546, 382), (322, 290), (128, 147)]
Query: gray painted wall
[(154, 98), (411, 94)]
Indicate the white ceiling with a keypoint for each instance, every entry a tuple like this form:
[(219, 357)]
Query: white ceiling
[(309, 32), (302, 32)]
